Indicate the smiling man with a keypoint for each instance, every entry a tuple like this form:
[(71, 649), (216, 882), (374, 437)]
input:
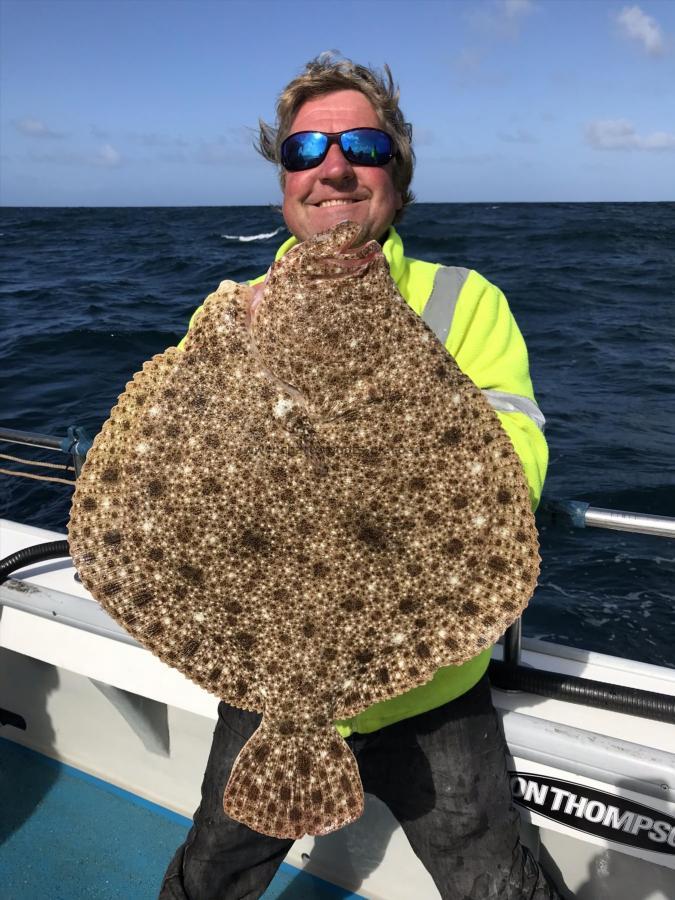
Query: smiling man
[(435, 755), (318, 198)]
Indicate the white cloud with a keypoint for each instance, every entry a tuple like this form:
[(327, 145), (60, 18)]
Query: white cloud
[(423, 137), (108, 156), (469, 60), (213, 153), (620, 134), (235, 144), (60, 158), (172, 156), (36, 128), (637, 25), (502, 17), (512, 9), (99, 133), (518, 136), (156, 139), (470, 159)]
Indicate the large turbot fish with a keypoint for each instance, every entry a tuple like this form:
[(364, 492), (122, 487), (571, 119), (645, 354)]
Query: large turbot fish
[(308, 510)]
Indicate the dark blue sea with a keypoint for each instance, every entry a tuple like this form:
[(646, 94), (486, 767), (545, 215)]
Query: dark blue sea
[(89, 294)]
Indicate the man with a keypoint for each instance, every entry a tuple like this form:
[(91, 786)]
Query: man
[(455, 808)]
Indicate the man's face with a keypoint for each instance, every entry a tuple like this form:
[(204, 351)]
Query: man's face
[(366, 194)]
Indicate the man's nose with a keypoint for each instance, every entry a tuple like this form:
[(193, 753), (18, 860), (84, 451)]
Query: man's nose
[(335, 166)]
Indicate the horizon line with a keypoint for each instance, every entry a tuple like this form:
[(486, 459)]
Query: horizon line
[(277, 208)]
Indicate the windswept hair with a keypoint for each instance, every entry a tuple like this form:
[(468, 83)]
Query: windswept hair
[(330, 72)]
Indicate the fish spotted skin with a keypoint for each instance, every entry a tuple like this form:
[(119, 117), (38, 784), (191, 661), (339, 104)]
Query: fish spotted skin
[(308, 510)]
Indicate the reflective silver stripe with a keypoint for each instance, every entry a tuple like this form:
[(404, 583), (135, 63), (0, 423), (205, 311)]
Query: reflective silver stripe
[(438, 315), (440, 308), (503, 402)]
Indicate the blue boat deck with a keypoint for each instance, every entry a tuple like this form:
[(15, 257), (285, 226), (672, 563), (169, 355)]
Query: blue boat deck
[(65, 835)]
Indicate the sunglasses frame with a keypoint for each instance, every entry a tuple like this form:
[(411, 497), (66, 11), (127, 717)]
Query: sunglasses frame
[(335, 137)]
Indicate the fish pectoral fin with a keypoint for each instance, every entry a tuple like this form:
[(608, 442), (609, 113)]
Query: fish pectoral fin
[(289, 781)]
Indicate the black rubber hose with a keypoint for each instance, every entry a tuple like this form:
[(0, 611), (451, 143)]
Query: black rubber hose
[(600, 694), (7, 717), (37, 553)]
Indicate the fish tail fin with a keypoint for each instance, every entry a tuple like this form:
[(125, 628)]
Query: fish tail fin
[(289, 781)]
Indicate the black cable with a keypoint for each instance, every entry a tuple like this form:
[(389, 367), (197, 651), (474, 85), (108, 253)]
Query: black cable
[(37, 553), (598, 694), (7, 717)]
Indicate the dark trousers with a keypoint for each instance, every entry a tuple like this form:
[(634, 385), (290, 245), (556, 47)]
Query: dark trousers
[(443, 776)]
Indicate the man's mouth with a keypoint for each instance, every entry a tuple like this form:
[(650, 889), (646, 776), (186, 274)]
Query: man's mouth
[(324, 203)]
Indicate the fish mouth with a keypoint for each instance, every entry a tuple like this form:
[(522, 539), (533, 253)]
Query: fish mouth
[(356, 248), (355, 255), (352, 256)]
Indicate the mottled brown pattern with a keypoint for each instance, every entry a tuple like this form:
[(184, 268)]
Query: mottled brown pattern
[(316, 509)]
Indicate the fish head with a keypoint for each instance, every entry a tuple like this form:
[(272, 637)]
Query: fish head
[(322, 304), (335, 254)]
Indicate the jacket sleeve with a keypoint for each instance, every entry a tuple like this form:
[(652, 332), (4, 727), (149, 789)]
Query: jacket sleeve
[(193, 319), (489, 348)]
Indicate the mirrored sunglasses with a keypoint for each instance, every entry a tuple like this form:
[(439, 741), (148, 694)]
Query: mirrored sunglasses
[(360, 146)]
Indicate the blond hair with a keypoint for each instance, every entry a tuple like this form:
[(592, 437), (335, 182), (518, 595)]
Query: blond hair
[(330, 72)]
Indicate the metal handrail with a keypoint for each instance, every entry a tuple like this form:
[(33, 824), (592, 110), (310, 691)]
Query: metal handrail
[(580, 514), (76, 442), (30, 439)]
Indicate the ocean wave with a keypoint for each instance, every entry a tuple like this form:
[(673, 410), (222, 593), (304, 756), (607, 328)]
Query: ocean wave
[(253, 237)]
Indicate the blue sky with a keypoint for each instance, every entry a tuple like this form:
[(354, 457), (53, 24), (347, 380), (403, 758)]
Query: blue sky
[(155, 102)]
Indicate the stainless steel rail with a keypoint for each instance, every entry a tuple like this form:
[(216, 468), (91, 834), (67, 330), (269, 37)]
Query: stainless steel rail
[(582, 515), (76, 443), (30, 439), (637, 523)]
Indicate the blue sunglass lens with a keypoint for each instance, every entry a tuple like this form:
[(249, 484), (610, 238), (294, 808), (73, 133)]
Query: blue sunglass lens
[(367, 147), (304, 150)]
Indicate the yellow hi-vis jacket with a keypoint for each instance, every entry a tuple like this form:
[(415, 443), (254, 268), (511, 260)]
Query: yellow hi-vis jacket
[(473, 321)]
